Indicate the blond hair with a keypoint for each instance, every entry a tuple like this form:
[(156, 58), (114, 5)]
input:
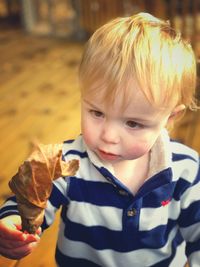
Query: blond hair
[(141, 48)]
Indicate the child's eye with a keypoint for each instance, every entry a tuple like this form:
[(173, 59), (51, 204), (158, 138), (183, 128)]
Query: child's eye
[(96, 113), (133, 124)]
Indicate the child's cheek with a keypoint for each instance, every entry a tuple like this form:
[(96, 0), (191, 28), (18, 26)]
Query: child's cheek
[(138, 149), (86, 130), (88, 136)]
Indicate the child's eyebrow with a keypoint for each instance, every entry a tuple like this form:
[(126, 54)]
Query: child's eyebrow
[(91, 104)]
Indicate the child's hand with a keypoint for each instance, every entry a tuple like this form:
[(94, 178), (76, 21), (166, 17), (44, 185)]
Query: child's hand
[(15, 244)]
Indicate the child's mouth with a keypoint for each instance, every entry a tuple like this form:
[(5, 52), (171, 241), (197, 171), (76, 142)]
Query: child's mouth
[(107, 156)]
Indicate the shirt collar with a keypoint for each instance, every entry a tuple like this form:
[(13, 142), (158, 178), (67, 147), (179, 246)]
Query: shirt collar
[(160, 156)]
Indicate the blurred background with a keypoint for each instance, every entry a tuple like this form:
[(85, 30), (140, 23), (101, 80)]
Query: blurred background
[(41, 42)]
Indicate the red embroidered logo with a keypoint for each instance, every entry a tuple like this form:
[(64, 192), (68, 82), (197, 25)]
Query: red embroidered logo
[(165, 202)]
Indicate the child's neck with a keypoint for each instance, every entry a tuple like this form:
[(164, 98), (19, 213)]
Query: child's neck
[(133, 173)]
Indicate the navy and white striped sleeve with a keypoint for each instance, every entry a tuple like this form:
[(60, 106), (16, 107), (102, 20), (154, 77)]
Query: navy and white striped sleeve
[(9, 208), (57, 198), (189, 220)]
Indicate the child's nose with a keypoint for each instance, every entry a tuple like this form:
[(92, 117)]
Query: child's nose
[(110, 134)]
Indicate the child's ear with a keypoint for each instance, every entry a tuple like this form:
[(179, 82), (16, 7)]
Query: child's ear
[(178, 110)]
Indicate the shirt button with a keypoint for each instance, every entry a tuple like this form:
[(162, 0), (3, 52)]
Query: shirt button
[(131, 213), (123, 193)]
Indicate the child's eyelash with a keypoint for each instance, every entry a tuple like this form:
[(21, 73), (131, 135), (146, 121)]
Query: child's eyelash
[(133, 124), (96, 113)]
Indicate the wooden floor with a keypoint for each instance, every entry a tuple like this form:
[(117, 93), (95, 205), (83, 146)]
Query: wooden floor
[(39, 99)]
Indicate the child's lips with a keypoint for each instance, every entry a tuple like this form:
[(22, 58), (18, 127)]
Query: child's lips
[(107, 156)]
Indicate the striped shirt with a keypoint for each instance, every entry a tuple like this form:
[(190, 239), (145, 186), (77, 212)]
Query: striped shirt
[(103, 224)]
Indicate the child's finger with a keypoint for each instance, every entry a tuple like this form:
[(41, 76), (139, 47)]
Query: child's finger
[(11, 244), (9, 231), (31, 238), (18, 252), (39, 231), (9, 228)]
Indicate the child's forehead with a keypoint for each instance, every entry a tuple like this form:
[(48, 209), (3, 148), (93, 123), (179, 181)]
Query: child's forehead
[(110, 94), (127, 102)]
